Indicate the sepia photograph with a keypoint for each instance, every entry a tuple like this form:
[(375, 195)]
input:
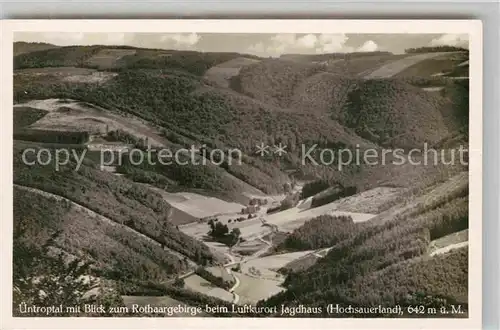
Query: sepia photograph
[(255, 175)]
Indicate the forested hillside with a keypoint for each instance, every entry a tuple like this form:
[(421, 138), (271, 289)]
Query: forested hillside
[(128, 215), (356, 270)]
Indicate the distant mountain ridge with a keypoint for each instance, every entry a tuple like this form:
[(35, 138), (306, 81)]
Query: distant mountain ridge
[(21, 47)]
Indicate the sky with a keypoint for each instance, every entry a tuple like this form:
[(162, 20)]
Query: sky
[(257, 44)]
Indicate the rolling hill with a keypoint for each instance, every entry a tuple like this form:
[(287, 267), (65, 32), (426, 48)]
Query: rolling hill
[(392, 113), (89, 203), (22, 47)]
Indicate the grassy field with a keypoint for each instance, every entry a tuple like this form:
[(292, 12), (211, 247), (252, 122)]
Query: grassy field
[(395, 67), (300, 264), (362, 66), (222, 73), (371, 201), (21, 47), (199, 284), (249, 247), (455, 238), (429, 67), (25, 116), (220, 272), (64, 74), (277, 261), (200, 206), (286, 220), (252, 289), (108, 58)]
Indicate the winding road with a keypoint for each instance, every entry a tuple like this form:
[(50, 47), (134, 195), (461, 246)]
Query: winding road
[(228, 266), (232, 262), (237, 282)]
